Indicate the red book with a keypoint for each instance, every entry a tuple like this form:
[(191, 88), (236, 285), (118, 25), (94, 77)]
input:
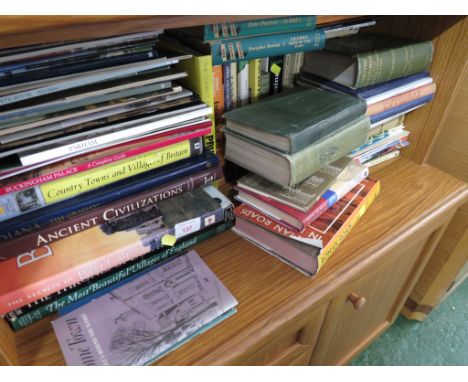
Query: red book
[(291, 217), (326, 232), (99, 158)]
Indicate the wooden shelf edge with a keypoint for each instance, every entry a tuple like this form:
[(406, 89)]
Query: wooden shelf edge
[(30, 30)]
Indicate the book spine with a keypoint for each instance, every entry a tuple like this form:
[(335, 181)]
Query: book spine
[(68, 208), (327, 150), (288, 60), (379, 129), (17, 203), (298, 63), (254, 80), (382, 158), (19, 320), (242, 83), (276, 74), (400, 99), (397, 110), (227, 87), (200, 79), (380, 66), (233, 85), (97, 160), (249, 48), (51, 233), (218, 93), (344, 230), (258, 27)]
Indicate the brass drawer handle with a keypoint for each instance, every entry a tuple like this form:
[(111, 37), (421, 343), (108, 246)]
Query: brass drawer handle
[(357, 301)]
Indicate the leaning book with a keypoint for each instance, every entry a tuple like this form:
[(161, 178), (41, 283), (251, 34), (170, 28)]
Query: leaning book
[(146, 318)]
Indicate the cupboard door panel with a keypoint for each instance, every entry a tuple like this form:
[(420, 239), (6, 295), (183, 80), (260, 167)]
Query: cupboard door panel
[(369, 305)]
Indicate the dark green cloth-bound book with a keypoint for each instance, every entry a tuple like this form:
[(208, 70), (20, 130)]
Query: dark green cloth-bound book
[(368, 59), (293, 121)]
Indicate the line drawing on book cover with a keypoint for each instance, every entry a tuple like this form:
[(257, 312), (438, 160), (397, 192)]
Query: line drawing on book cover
[(161, 313)]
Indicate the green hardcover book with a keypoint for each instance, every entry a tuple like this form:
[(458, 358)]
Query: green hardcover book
[(367, 59), (291, 122), (290, 170)]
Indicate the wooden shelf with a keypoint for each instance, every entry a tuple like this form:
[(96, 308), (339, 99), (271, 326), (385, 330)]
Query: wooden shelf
[(270, 292), (30, 30)]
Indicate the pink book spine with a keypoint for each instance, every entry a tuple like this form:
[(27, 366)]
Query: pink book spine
[(54, 283), (101, 161)]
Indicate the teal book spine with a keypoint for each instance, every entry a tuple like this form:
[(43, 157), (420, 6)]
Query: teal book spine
[(250, 48), (69, 297), (257, 27)]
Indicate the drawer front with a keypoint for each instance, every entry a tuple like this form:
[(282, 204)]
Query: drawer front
[(294, 343)]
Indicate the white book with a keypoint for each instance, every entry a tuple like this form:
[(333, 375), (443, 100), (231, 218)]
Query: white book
[(118, 133), (242, 83), (399, 90)]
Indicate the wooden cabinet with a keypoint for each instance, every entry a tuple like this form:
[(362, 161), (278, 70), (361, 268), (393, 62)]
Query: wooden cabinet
[(369, 305), (284, 317)]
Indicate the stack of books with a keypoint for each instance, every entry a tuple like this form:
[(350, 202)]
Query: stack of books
[(103, 172), (303, 194), (255, 59), (389, 73)]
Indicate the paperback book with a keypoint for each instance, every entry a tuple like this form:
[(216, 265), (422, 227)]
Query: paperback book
[(146, 318)]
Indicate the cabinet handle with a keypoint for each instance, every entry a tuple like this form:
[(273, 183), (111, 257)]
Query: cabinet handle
[(357, 301)]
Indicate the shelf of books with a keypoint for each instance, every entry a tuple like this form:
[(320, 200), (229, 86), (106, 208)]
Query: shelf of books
[(165, 186)]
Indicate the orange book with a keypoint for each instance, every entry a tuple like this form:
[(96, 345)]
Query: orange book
[(401, 99), (218, 92)]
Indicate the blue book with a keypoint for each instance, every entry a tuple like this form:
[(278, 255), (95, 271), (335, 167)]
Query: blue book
[(249, 48), (105, 195), (227, 87), (365, 92), (401, 108)]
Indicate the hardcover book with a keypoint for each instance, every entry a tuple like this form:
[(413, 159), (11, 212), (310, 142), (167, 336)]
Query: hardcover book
[(146, 318), (367, 59), (19, 202), (61, 229), (309, 249), (37, 310), (211, 32), (290, 170), (55, 266), (301, 197), (342, 184), (60, 211), (291, 122)]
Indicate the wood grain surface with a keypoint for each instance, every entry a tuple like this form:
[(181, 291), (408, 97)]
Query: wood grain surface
[(31, 30), (271, 295)]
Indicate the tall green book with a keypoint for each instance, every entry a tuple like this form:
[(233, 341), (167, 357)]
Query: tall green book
[(367, 59)]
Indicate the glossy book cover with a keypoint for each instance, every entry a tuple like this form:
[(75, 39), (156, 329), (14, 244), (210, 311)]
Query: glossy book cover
[(55, 266), (147, 317)]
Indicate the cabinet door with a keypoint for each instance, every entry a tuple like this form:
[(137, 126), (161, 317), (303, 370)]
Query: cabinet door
[(368, 306)]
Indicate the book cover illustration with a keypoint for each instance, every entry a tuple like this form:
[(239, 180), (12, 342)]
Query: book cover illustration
[(147, 317), (130, 234), (323, 230)]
